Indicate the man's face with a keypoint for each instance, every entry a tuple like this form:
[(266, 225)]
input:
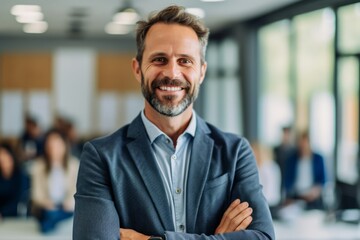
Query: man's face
[(171, 71)]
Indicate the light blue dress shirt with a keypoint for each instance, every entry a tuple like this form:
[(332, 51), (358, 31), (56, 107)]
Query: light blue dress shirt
[(173, 163)]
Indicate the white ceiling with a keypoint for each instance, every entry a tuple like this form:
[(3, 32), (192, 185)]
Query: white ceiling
[(100, 12)]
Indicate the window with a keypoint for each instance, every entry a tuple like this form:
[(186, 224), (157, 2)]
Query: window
[(349, 124), (276, 108), (296, 80), (349, 30)]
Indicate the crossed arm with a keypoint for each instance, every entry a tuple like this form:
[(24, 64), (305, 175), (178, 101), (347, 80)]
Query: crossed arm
[(102, 221), (237, 217)]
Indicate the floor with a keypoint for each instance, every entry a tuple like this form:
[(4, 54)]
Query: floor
[(307, 226), (315, 225), (27, 229)]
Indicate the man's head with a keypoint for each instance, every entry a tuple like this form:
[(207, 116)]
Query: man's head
[(170, 61), (171, 15)]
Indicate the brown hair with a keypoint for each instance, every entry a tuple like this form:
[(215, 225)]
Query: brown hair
[(171, 15), (46, 153)]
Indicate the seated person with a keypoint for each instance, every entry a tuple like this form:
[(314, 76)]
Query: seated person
[(12, 182), (31, 140), (53, 182), (305, 175), (269, 176)]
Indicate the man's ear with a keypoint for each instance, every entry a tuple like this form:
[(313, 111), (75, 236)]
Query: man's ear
[(136, 69), (203, 71)]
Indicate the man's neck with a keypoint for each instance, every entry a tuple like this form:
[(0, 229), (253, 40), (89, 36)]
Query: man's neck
[(171, 126)]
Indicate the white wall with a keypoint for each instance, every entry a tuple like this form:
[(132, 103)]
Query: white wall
[(74, 88)]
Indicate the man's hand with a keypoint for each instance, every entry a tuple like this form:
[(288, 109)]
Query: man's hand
[(129, 234), (236, 217)]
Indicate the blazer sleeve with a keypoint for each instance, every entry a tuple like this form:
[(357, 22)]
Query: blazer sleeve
[(246, 187), (95, 215)]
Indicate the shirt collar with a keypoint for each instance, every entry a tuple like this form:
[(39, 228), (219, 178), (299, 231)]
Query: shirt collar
[(153, 131)]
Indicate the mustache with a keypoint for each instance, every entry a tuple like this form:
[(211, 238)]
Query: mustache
[(170, 82)]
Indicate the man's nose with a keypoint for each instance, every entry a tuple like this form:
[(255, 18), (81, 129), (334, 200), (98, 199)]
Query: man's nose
[(172, 70)]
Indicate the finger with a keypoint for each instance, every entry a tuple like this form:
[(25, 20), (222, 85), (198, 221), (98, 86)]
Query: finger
[(233, 205), (244, 224), (124, 232), (235, 217), (236, 211), (237, 220)]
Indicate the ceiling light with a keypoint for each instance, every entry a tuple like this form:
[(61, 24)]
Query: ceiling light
[(200, 13), (37, 27), (23, 9), (117, 29), (126, 16), (30, 17)]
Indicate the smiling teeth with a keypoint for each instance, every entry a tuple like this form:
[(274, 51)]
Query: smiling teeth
[(173, 89)]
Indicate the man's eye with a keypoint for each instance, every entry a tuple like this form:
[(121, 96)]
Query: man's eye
[(159, 60), (185, 61)]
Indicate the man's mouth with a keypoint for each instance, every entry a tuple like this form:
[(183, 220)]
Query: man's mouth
[(170, 89)]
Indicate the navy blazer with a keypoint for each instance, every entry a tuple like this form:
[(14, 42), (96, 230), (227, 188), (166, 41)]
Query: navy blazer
[(120, 185), (318, 171)]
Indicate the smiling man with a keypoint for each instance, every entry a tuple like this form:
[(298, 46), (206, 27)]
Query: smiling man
[(169, 174)]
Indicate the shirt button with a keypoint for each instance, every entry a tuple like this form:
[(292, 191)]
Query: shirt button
[(168, 141), (173, 157), (178, 191), (182, 227)]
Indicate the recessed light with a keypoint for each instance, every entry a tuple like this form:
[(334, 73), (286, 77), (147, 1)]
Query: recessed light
[(23, 9), (117, 29), (200, 13), (37, 27)]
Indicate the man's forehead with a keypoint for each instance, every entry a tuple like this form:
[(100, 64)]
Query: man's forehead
[(163, 37)]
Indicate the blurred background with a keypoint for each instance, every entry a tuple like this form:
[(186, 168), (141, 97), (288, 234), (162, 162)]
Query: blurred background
[(283, 73)]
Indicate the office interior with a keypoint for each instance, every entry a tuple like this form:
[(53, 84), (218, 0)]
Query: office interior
[(295, 64)]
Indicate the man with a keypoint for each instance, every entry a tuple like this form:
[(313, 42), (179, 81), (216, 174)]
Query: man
[(282, 153), (169, 175), (305, 175)]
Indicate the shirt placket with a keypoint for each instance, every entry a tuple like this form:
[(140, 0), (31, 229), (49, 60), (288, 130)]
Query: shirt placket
[(178, 187)]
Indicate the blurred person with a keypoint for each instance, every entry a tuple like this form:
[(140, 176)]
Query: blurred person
[(60, 123), (169, 174), (31, 139), (13, 182), (283, 152), (53, 182), (68, 128), (305, 175), (72, 136), (270, 177)]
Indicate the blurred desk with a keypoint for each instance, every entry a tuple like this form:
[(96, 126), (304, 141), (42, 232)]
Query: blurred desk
[(28, 229), (313, 225)]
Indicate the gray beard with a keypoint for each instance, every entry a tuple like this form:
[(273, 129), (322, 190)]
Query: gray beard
[(166, 107)]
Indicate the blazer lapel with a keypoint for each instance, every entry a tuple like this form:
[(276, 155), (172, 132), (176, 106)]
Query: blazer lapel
[(142, 155), (198, 172)]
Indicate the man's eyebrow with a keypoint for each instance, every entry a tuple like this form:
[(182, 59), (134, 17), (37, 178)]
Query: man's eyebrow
[(185, 56), (157, 54), (162, 54)]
